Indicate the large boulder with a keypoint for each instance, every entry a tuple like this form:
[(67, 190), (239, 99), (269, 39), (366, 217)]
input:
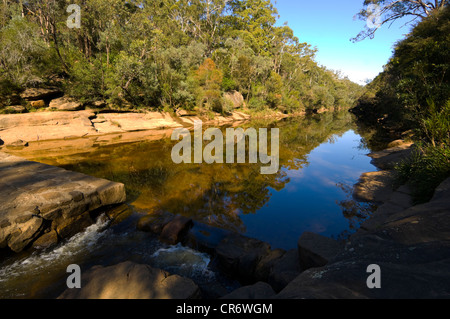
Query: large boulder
[(407, 272), (154, 223), (176, 230), (128, 280), (236, 98), (36, 198), (411, 247), (34, 94), (316, 251), (38, 104), (14, 109), (284, 270), (239, 256), (387, 159), (65, 104)]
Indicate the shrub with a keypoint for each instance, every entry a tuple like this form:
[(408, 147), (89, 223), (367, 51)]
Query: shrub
[(424, 171)]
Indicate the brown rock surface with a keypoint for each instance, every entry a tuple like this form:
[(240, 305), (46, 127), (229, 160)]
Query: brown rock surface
[(34, 196), (65, 104), (34, 94), (132, 281)]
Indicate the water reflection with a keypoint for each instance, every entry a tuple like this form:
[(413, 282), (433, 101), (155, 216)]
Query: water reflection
[(321, 157)]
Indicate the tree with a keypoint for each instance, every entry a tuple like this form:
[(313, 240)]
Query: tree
[(389, 11), (210, 80)]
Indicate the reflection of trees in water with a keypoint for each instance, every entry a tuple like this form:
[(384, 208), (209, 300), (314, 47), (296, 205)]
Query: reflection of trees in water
[(355, 212), (216, 194)]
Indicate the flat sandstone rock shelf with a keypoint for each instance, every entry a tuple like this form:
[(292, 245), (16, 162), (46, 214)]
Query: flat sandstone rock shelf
[(41, 203)]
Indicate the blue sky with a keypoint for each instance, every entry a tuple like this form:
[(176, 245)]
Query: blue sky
[(329, 26)]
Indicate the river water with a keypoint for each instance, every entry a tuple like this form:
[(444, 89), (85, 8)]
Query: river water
[(321, 158)]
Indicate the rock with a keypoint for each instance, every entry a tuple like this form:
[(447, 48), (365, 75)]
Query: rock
[(98, 104), (267, 263), (379, 217), (284, 270), (39, 126), (419, 224), (205, 238), (398, 143), (442, 191), (182, 113), (236, 98), (387, 159), (16, 109), (407, 272), (316, 251), (411, 246), (239, 256), (65, 104), (131, 122), (18, 143), (119, 213), (47, 240), (34, 94), (38, 104), (375, 187), (31, 192), (26, 233), (175, 231), (69, 227), (213, 290), (260, 290), (154, 223), (128, 280)]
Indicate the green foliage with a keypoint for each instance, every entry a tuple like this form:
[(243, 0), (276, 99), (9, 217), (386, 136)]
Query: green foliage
[(149, 54), (413, 92), (23, 54), (425, 170)]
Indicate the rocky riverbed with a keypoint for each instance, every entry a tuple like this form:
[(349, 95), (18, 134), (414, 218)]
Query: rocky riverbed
[(43, 204), (409, 243)]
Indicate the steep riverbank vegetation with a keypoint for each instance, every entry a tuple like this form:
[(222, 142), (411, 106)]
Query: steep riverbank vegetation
[(165, 54), (413, 94)]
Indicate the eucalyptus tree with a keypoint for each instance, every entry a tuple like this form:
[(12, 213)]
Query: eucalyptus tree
[(381, 12)]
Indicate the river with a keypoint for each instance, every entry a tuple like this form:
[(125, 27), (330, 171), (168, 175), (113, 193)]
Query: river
[(321, 158)]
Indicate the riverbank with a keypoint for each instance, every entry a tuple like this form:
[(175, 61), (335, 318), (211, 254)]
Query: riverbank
[(269, 272), (411, 244)]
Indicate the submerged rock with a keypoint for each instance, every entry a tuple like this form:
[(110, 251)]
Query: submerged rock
[(176, 230), (154, 223)]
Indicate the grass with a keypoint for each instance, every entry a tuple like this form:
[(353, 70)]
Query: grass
[(425, 170)]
